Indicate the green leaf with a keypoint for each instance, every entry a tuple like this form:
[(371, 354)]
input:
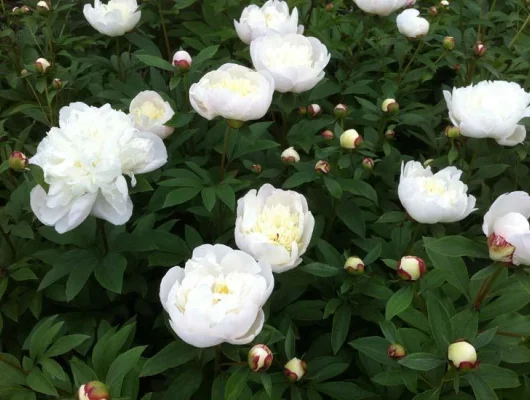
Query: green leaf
[(421, 361), (109, 272), (489, 171), (204, 55), (80, 274), (432, 394), (399, 302), (39, 383), (236, 383), (82, 372), (173, 355), (65, 343), (440, 323), (360, 188), (457, 246), (352, 217), (299, 178), (333, 187), (185, 385), (266, 381), (374, 347), (524, 279), (480, 387), (121, 366), (373, 255), (454, 268), (388, 378), (340, 327), (208, 198), (36, 344), (109, 346), (73, 259), (226, 193), (497, 377), (484, 338), (53, 368), (319, 269), (343, 391), (181, 195), (154, 61)]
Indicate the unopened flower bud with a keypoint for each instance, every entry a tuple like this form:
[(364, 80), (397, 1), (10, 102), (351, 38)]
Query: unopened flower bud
[(452, 131), (24, 72), (182, 60), (479, 49), (322, 167), (57, 83), (390, 106), (327, 134), (257, 168), (368, 163), (396, 351), (449, 43), (350, 139), (444, 4), (462, 355), (354, 266), (24, 9), (259, 358), (290, 156), (500, 249), (42, 65), (340, 111), (16, 11), (18, 161), (302, 110), (314, 110), (329, 6), (428, 162), (42, 6), (94, 390), (295, 369), (433, 11), (411, 268), (390, 134), (456, 67)]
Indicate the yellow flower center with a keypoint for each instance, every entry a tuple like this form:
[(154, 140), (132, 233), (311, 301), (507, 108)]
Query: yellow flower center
[(150, 110), (240, 86), (220, 289), (279, 225), (434, 186)]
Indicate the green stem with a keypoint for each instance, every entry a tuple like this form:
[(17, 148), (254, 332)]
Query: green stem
[(413, 239), (218, 359), (44, 114), (162, 22), (186, 80), (486, 286), (519, 31), (48, 100), (225, 150), (118, 55), (284, 130), (402, 75), (6, 361), (101, 227)]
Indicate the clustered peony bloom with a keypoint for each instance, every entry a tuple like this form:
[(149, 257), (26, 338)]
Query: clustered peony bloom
[(490, 109), (295, 62), (272, 17), (274, 226), (431, 198), (115, 18), (150, 112), (84, 161), (381, 7), (233, 92), (410, 24), (218, 296), (507, 228)]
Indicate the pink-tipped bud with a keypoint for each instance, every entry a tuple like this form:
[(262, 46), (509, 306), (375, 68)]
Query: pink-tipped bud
[(389, 134), (25, 9), (327, 134), (290, 156), (444, 4), (330, 6), (182, 60), (354, 266), (41, 64), (257, 168), (396, 351), (350, 139), (42, 6), (94, 390), (456, 67), (449, 43), (295, 370), (259, 358), (452, 131), (340, 111), (322, 167), (314, 110), (390, 106), (368, 163), (462, 355), (433, 11), (411, 268), (18, 161), (57, 84), (479, 49)]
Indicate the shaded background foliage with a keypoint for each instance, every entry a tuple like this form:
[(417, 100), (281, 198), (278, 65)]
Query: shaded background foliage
[(84, 305)]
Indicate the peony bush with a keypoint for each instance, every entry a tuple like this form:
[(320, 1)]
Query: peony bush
[(264, 200)]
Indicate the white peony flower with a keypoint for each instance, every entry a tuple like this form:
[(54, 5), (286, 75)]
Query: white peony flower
[(295, 62), (272, 17), (507, 228), (150, 112), (274, 226), (410, 24), (84, 160), (490, 109), (115, 18), (380, 7), (431, 198), (233, 92), (218, 296)]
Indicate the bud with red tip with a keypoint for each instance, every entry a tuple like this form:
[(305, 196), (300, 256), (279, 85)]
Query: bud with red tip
[(41, 64), (18, 161), (354, 266), (396, 351), (57, 84), (302, 110), (295, 370), (449, 43), (182, 60), (389, 134), (411, 268), (433, 11), (329, 6), (456, 67), (94, 390), (390, 106), (290, 156), (444, 4), (350, 139), (25, 9), (479, 49), (327, 134), (314, 110), (462, 355), (322, 167), (452, 131), (257, 168), (42, 6), (259, 358), (368, 163), (340, 111)]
